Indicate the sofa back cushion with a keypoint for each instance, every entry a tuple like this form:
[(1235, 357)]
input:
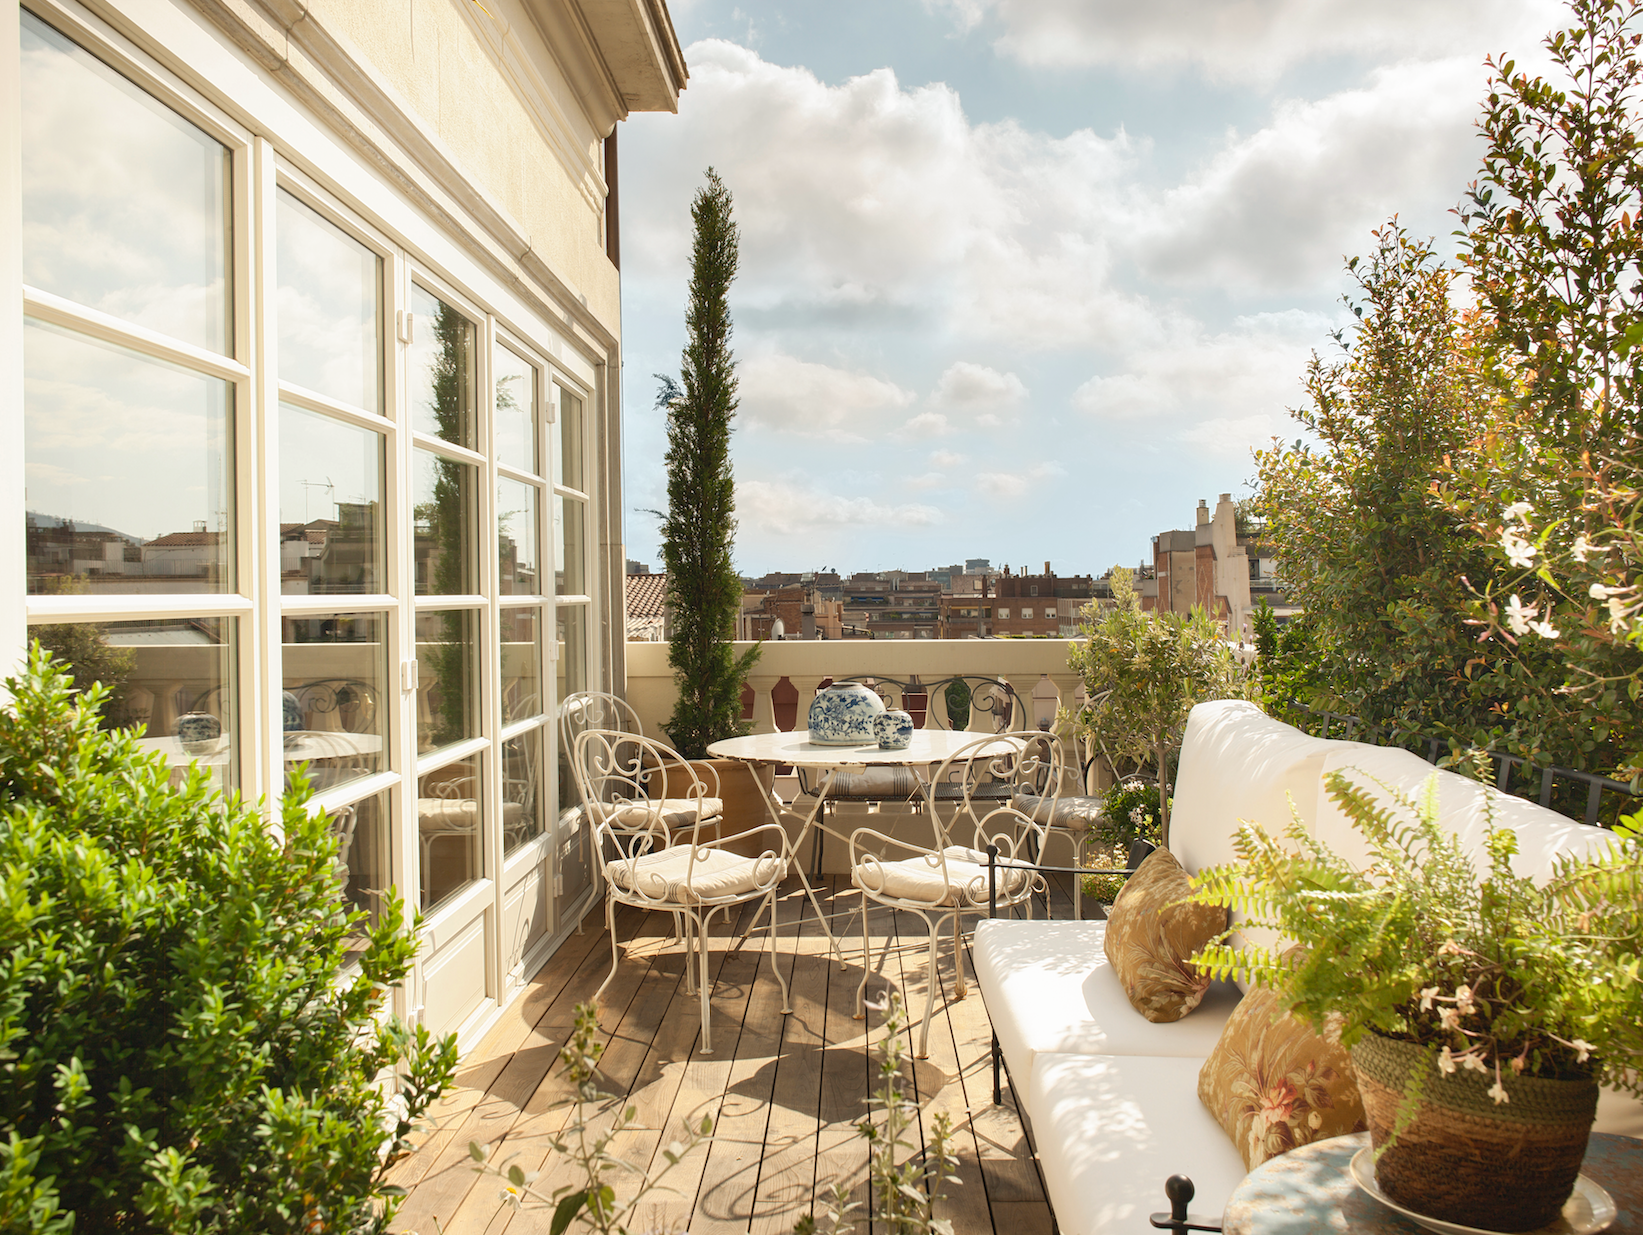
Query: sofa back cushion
[(1238, 763), (1465, 807)]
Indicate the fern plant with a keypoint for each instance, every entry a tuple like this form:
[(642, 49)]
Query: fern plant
[(1489, 973)]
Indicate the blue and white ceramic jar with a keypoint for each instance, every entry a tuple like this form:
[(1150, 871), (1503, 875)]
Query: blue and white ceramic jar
[(842, 715), (199, 732), (894, 729)]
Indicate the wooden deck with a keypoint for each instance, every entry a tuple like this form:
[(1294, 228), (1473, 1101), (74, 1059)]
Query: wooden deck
[(785, 1091)]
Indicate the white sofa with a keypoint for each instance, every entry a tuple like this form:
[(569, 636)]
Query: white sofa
[(1110, 1098)]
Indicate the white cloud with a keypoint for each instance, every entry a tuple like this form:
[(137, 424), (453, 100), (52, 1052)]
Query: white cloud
[(977, 389), (814, 400), (1009, 486), (1281, 207), (1246, 40), (927, 424), (945, 459), (1234, 436), (1255, 368), (789, 506)]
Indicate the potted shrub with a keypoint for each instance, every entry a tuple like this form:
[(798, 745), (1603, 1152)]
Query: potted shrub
[(1482, 1011)]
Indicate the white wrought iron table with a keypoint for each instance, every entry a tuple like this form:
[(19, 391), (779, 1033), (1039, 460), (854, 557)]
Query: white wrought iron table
[(928, 748)]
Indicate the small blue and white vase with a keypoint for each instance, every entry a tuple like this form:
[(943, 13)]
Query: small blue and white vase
[(199, 732), (842, 715), (291, 707), (894, 729)]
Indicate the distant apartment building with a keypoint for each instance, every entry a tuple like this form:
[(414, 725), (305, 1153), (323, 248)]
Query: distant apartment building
[(1039, 606), (1211, 566), (801, 612), (894, 604)]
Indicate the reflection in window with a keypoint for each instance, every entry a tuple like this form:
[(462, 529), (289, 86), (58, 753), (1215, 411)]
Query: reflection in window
[(570, 578), (447, 700), (129, 470), (173, 675), (516, 539), (327, 307), (521, 664), (447, 821), (331, 530), (335, 703), (439, 366), (566, 434), (515, 411), (125, 203), (363, 855), (570, 676), (522, 789), (445, 494)]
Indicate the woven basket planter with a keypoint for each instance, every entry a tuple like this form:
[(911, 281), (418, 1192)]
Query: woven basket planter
[(1463, 1158)]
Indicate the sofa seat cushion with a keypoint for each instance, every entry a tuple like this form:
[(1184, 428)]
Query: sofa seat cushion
[(1151, 935), (959, 877), (1049, 989), (1110, 1129), (715, 875)]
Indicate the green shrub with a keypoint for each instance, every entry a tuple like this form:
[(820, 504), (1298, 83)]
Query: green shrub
[(177, 1049), (1131, 808)]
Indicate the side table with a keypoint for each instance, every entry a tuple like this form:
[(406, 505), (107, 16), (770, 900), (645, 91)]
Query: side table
[(1309, 1191)]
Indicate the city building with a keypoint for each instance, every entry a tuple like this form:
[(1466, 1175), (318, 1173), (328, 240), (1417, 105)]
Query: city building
[(1209, 566), (309, 390), (1039, 606)]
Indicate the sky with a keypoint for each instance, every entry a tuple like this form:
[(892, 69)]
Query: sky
[(1025, 279)]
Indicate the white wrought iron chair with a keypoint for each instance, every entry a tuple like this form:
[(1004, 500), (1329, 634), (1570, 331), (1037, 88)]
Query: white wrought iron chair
[(946, 881), (649, 808)]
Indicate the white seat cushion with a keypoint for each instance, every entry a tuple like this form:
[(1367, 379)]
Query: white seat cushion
[(447, 814), (673, 812), (1049, 989), (921, 879), (1111, 1128), (1542, 834), (1073, 814), (715, 875)]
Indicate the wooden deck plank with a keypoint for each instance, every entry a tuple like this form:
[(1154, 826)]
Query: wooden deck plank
[(786, 1092)]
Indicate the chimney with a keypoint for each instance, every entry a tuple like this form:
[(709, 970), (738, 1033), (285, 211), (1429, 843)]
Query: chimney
[(1046, 568), (1203, 512)]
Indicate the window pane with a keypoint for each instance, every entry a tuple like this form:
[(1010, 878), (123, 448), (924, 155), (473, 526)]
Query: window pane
[(331, 532), (336, 698), (440, 370), (447, 821), (129, 481), (567, 527), (571, 675), (446, 495), (521, 573), (328, 308), (174, 675), (363, 869), (566, 432), (522, 789), (521, 664), (447, 699), (515, 411), (125, 203)]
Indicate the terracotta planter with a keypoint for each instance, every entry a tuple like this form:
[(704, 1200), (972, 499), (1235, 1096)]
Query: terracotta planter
[(1463, 1158), (744, 806)]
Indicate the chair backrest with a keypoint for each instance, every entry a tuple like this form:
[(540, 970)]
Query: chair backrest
[(963, 701), (1030, 762), (596, 709), (641, 792)]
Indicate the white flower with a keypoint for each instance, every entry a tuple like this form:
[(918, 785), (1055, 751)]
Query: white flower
[(1449, 1018), (1518, 615), (1446, 1061), (1463, 1000), (1584, 1049), (1497, 1091), (1427, 992), (1617, 612), (1472, 1063), (1450, 948), (1583, 548), (1515, 511), (1599, 592), (1545, 630), (1520, 552)]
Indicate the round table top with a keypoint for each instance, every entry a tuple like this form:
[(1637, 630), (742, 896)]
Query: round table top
[(1309, 1191), (795, 748)]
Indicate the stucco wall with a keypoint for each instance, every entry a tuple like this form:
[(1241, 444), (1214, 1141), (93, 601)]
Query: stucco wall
[(486, 86)]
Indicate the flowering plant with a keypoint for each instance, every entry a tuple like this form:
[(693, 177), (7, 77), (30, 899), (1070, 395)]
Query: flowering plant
[(1494, 975)]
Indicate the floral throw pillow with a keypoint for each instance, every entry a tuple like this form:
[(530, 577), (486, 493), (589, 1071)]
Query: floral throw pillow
[(1273, 1083), (1150, 935)]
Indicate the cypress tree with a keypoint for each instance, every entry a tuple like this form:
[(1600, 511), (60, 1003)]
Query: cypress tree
[(699, 529)]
